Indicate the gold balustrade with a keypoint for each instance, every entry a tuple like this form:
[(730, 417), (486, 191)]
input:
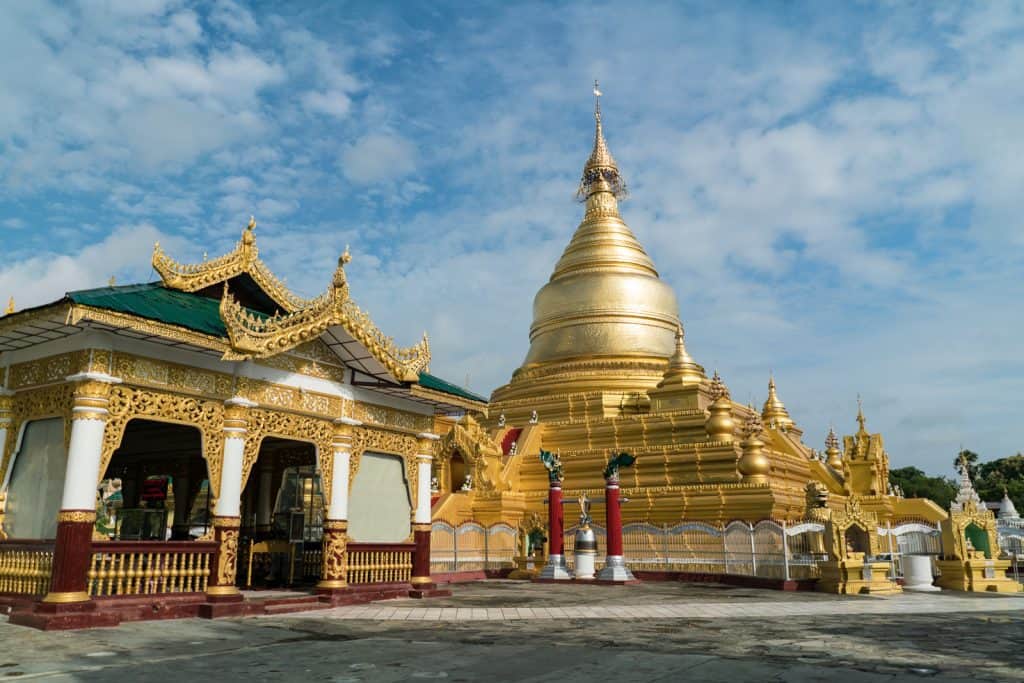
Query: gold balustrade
[(149, 568), (25, 568), (379, 563)]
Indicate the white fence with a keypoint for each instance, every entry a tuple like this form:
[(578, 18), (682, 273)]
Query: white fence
[(767, 549), (471, 547)]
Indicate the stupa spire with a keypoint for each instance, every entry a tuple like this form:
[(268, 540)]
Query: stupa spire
[(774, 410), (682, 369), (600, 173)]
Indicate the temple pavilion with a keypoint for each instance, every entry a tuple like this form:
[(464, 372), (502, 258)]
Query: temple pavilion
[(167, 445), (608, 371)]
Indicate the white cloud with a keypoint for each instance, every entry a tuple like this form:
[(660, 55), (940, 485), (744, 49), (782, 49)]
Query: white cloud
[(333, 103), (378, 157), (48, 276), (231, 16)]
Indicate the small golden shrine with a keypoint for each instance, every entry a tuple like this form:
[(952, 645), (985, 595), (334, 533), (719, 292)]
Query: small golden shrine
[(851, 544), (970, 542)]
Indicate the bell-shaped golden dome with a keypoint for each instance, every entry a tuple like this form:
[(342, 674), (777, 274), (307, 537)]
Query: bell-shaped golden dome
[(604, 298), (774, 411)]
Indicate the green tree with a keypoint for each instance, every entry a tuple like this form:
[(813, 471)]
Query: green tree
[(1004, 474), (917, 484), (972, 462)]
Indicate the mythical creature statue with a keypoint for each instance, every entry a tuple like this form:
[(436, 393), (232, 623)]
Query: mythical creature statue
[(611, 471), (553, 464)]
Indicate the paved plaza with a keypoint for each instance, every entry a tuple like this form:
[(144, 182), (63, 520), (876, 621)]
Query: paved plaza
[(512, 631)]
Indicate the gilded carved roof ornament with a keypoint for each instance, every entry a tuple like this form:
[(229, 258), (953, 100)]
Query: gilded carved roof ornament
[(833, 456), (255, 336), (718, 390), (10, 306), (244, 259)]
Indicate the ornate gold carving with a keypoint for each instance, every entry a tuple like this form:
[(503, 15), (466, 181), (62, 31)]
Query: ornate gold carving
[(37, 404), (335, 564), (44, 371), (128, 403), (243, 260), (318, 431), (382, 415), (227, 558), (76, 516), (253, 336), (153, 327), (481, 453)]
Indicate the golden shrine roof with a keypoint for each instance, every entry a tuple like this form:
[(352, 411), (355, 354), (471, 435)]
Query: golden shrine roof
[(243, 260), (349, 331)]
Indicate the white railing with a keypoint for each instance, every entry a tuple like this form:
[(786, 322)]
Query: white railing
[(471, 547)]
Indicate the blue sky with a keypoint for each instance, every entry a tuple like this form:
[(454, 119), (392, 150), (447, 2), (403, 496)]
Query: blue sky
[(833, 190)]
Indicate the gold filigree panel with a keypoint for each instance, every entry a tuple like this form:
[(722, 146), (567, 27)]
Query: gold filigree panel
[(383, 415), (264, 423), (127, 403), (37, 404)]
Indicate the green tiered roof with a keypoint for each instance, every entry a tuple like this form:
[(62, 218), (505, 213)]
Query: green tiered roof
[(198, 313)]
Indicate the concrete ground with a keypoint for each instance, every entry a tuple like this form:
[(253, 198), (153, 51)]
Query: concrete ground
[(511, 631)]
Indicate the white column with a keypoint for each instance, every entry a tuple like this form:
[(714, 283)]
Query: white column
[(423, 461), (88, 420), (338, 508), (229, 498)]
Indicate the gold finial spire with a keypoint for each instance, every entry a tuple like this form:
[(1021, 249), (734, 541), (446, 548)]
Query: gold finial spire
[(774, 410), (252, 223), (600, 173), (860, 416), (682, 369), (10, 306), (249, 237), (833, 456)]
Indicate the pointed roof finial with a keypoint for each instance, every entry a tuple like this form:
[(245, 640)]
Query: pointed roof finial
[(682, 369), (860, 414), (600, 173), (10, 306), (774, 409)]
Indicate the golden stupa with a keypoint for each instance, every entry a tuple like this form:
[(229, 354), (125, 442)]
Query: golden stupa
[(608, 371)]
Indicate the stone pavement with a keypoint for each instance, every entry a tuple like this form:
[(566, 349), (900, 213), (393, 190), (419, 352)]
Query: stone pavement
[(671, 632)]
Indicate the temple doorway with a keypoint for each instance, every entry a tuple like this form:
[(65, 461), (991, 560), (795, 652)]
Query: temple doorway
[(156, 487), (857, 540), (456, 471), (282, 517), (380, 507), (978, 538)]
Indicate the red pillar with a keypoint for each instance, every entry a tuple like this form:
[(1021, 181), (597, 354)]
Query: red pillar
[(615, 563), (71, 553), (555, 524), (614, 517), (421, 557), (555, 567)]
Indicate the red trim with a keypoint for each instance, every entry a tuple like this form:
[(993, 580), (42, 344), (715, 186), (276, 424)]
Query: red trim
[(510, 436)]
